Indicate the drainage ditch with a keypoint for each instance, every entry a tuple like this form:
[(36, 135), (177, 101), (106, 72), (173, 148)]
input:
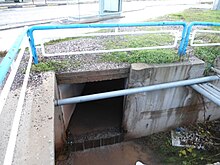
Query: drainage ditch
[(95, 123)]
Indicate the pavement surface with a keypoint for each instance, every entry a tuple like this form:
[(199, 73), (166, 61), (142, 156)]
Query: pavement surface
[(135, 11)]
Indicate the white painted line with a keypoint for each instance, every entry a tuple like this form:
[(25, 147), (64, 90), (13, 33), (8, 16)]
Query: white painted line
[(15, 126), (10, 79)]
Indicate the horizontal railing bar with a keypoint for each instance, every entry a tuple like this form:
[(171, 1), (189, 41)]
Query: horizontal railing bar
[(203, 31), (108, 51), (125, 33), (70, 26), (130, 91)]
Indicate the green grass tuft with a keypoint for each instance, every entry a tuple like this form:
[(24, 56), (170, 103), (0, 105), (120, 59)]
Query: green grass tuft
[(52, 66), (190, 15), (142, 56)]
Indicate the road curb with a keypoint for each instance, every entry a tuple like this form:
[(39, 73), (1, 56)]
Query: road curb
[(13, 6), (92, 20)]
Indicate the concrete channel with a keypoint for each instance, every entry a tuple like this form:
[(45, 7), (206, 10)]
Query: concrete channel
[(76, 133)]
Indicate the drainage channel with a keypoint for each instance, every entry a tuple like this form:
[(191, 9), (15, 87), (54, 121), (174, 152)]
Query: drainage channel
[(91, 124), (97, 123)]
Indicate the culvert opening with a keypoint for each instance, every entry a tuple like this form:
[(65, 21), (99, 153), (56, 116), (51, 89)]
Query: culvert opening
[(97, 123)]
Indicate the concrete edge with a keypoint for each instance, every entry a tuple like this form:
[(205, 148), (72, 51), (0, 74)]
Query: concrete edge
[(23, 5), (92, 20), (36, 138)]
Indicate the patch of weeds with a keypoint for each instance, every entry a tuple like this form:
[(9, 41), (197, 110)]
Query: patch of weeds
[(3, 53), (135, 41), (161, 145), (207, 54), (190, 15), (144, 56), (45, 66)]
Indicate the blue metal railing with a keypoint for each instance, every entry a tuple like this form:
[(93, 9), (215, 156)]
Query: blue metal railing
[(12, 53), (10, 56), (189, 30), (73, 26)]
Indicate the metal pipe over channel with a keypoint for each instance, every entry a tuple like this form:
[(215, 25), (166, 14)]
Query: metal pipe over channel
[(130, 91)]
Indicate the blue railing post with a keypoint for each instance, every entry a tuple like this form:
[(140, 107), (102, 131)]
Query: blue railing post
[(32, 45), (189, 29), (180, 50)]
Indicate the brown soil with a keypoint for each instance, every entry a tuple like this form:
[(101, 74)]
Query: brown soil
[(126, 153)]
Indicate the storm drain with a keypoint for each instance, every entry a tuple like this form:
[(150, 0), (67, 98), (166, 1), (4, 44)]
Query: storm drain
[(97, 123)]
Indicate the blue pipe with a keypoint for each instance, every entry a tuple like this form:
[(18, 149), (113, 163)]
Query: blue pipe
[(180, 50), (130, 91), (32, 45), (52, 27), (10, 57), (189, 29)]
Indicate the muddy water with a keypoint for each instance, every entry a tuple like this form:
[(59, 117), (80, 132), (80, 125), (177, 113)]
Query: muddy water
[(126, 153)]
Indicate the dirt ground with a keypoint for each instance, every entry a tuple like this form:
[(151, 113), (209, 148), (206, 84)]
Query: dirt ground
[(126, 153)]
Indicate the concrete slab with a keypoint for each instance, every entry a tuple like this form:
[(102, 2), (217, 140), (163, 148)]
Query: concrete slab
[(35, 140)]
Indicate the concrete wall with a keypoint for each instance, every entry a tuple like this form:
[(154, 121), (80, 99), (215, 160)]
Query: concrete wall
[(63, 113), (156, 111), (67, 91)]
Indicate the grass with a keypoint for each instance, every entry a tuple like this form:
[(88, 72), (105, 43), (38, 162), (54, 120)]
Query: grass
[(52, 65), (160, 143), (190, 15), (142, 56), (208, 54)]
